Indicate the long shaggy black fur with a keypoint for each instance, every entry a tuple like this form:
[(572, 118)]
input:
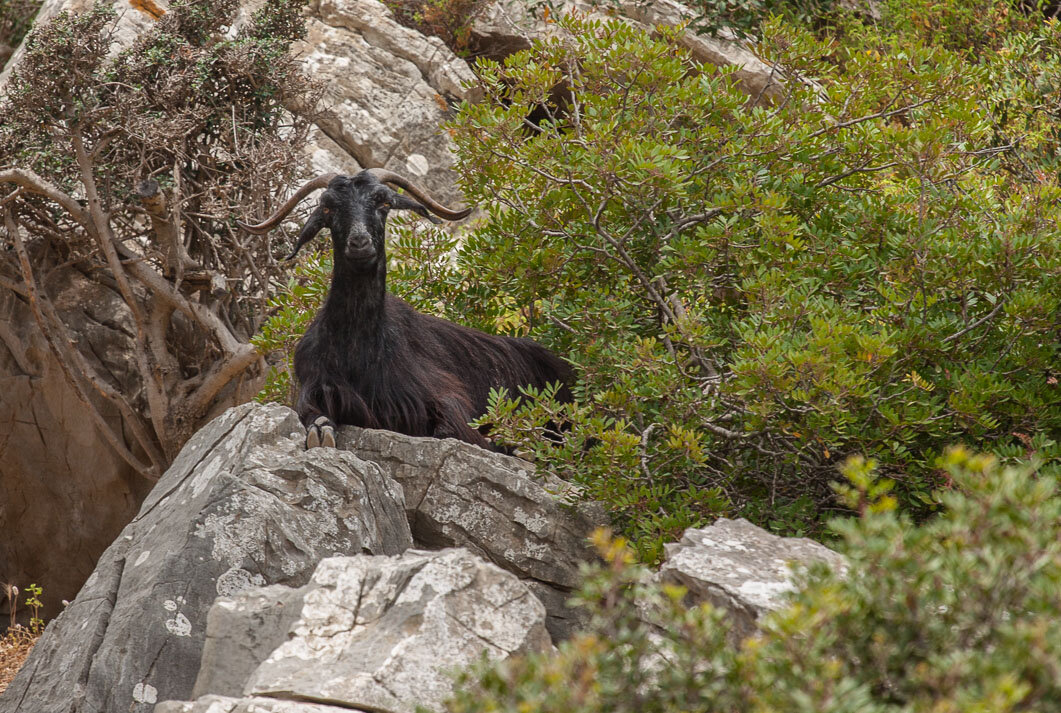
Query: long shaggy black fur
[(369, 359)]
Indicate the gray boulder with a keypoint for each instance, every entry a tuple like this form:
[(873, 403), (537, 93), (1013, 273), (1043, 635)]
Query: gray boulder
[(243, 505), (740, 567), (382, 633), (458, 495), (241, 632), (387, 91)]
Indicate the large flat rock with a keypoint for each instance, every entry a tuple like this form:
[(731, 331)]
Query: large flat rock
[(459, 495), (740, 567), (243, 505), (376, 633)]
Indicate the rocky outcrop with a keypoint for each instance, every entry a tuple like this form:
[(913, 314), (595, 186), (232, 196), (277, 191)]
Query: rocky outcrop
[(243, 505), (388, 89), (225, 594), (383, 633), (496, 506), (740, 567), (65, 493)]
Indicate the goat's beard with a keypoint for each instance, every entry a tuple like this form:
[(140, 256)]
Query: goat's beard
[(360, 261)]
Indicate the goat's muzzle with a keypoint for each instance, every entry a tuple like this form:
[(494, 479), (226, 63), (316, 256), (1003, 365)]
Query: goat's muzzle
[(359, 246)]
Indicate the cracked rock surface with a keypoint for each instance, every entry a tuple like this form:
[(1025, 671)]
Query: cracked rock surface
[(242, 506), (382, 633), (458, 495), (740, 567), (388, 89)]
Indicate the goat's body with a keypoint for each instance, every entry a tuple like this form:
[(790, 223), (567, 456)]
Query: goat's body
[(371, 360), (392, 367)]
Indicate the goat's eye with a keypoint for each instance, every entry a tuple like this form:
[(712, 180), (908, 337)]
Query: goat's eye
[(384, 205), (326, 210)]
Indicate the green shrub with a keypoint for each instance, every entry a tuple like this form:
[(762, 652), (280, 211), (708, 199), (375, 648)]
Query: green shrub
[(750, 294), (958, 614)]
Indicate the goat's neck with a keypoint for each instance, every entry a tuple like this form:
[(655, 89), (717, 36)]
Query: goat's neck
[(354, 308)]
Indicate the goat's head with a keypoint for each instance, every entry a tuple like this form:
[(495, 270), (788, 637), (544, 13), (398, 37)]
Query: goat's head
[(355, 209)]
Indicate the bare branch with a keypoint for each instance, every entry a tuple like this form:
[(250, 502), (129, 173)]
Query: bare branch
[(220, 375), (33, 183), (73, 363), (987, 317)]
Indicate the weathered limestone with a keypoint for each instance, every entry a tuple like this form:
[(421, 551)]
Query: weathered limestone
[(381, 633), (241, 632), (735, 565), (243, 505), (458, 495), (251, 704), (387, 90)]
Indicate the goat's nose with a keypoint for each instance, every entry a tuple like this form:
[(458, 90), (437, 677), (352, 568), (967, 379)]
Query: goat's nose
[(359, 244)]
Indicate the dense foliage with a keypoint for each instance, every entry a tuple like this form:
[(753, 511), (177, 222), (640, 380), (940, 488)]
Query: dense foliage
[(958, 614), (131, 169), (753, 292)]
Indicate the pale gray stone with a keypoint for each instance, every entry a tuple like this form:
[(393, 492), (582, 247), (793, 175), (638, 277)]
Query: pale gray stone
[(735, 565), (497, 506), (253, 704), (386, 633), (241, 631), (243, 505), (387, 91)]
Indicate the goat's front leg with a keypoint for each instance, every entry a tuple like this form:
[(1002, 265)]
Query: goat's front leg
[(320, 429), (320, 433)]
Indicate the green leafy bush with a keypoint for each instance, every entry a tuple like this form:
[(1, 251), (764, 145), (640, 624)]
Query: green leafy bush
[(958, 614), (751, 294)]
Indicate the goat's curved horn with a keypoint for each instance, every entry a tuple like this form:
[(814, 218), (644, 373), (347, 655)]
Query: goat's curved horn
[(272, 221), (419, 194)]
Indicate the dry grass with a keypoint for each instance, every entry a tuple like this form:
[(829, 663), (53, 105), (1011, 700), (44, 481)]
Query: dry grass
[(14, 648)]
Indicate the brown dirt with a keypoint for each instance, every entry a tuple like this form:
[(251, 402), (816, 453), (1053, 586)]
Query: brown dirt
[(14, 648)]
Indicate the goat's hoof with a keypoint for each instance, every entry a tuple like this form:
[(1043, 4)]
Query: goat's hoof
[(320, 433)]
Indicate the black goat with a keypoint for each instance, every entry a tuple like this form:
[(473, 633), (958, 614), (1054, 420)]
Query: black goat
[(369, 359)]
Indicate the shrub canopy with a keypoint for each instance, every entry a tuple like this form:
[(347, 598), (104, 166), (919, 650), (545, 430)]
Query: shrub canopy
[(752, 292), (958, 614)]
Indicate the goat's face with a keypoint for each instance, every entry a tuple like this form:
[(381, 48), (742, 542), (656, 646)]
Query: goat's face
[(355, 209)]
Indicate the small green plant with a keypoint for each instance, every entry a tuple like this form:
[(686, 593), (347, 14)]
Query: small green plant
[(17, 642), (449, 20), (32, 600), (956, 614), (290, 313), (34, 603)]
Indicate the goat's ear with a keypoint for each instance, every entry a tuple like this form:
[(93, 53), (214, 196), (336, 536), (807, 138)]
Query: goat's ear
[(400, 201), (314, 224)]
